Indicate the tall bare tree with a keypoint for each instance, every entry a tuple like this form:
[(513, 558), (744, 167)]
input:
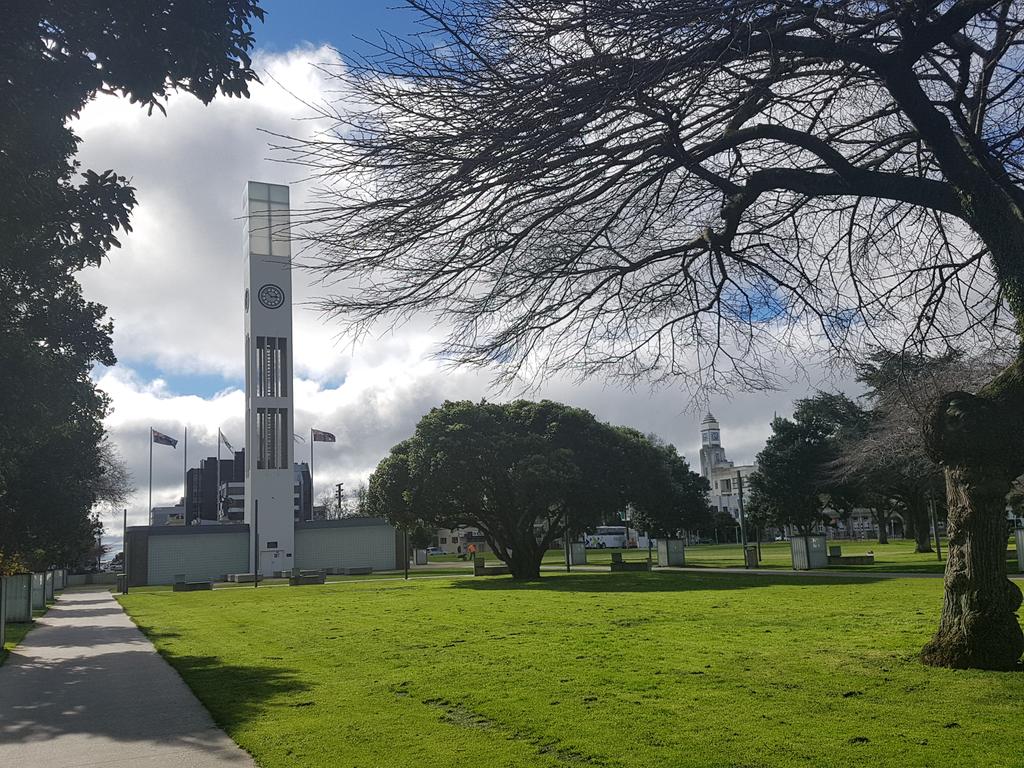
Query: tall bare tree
[(679, 190)]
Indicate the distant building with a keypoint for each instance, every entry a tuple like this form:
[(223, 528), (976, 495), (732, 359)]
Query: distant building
[(201, 486), (206, 505), (720, 472), (455, 540), (169, 515)]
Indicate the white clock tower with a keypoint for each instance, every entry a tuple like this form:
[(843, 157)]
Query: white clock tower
[(712, 454), (269, 409)]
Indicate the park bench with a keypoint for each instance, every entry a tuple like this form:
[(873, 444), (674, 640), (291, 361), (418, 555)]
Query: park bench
[(480, 568), (182, 585), (618, 564), (851, 560), (243, 578), (300, 578), (836, 557)]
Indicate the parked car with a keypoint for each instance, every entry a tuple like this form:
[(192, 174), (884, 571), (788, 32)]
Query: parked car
[(435, 551)]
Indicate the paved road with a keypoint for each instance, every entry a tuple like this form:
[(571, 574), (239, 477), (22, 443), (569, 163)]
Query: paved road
[(86, 688)]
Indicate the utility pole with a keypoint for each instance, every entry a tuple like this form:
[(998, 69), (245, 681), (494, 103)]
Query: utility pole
[(935, 527), (743, 527), (568, 545), (124, 552)]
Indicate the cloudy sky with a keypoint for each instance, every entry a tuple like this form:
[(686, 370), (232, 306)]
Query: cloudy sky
[(174, 290)]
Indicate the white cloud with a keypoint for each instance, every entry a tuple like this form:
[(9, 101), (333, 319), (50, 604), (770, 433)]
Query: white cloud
[(175, 293)]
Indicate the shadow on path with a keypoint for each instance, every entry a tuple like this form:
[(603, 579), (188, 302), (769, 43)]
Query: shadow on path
[(86, 687)]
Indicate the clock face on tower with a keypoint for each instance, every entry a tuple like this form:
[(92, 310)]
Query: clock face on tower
[(271, 296)]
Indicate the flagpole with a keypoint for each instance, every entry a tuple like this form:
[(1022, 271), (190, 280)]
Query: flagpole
[(184, 492), (217, 495), (149, 513), (312, 482)]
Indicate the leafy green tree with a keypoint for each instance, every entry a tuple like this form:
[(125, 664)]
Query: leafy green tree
[(682, 505), (522, 473), (784, 481), (725, 527), (57, 220), (793, 483)]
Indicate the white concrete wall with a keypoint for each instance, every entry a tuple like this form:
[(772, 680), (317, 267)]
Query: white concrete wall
[(200, 556), (351, 546)]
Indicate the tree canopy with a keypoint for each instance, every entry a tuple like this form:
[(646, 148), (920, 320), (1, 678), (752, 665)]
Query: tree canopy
[(57, 220), (792, 484), (523, 473), (686, 507)]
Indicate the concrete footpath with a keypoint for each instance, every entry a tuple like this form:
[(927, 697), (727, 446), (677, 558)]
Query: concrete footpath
[(86, 688)]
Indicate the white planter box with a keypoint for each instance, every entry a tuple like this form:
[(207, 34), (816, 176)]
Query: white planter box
[(577, 553), (671, 552), (809, 552)]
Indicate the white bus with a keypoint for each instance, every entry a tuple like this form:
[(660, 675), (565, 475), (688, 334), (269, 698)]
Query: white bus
[(606, 536)]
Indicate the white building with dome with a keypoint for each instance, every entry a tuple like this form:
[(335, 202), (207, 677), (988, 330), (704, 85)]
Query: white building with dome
[(720, 472)]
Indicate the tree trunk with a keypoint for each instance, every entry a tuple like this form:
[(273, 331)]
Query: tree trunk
[(524, 568), (524, 557), (979, 627), (978, 441), (882, 521), (923, 536), (917, 523)]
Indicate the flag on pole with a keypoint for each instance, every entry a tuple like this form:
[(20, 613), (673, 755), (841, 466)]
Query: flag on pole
[(225, 441), (319, 436), (162, 439)]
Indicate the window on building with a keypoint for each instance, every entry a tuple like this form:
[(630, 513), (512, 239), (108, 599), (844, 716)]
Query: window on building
[(271, 366), (727, 486), (269, 220), (272, 438)]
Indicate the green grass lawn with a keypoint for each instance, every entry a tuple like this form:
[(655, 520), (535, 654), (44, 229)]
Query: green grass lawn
[(614, 670), (14, 635)]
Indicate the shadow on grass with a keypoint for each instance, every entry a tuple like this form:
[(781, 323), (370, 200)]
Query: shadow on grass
[(655, 582), (236, 694)]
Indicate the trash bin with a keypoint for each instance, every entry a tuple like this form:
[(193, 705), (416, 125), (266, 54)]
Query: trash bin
[(120, 582), (420, 556), (751, 559)]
